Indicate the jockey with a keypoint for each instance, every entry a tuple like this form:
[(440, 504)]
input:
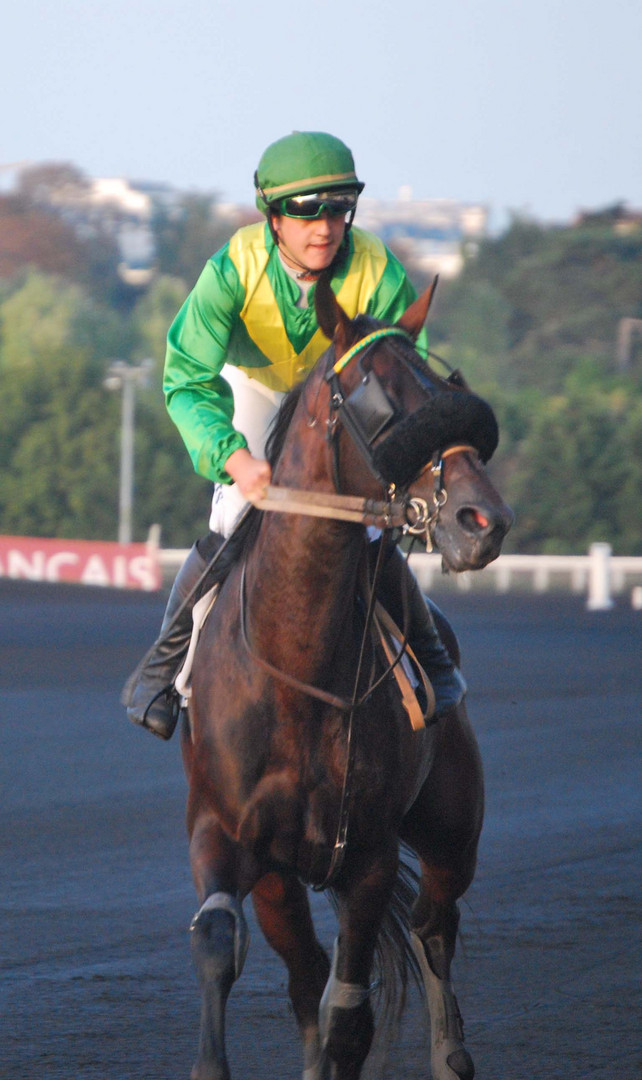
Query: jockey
[(245, 335)]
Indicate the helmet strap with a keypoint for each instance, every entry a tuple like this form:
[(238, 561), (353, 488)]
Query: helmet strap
[(297, 266), (273, 231)]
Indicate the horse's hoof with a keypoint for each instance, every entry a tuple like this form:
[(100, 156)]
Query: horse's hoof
[(316, 1065), (205, 1071), (456, 1065), (461, 1064)]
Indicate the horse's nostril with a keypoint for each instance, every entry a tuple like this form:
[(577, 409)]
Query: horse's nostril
[(472, 520)]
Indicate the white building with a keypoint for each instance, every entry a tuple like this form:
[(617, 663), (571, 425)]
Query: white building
[(432, 234)]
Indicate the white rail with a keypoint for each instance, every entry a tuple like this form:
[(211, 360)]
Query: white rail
[(599, 573)]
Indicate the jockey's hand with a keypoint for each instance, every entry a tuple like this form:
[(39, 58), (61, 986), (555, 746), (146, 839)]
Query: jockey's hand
[(252, 475)]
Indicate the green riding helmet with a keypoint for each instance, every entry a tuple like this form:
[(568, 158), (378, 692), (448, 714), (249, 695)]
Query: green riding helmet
[(302, 163)]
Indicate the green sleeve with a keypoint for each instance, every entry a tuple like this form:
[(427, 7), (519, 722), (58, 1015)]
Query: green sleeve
[(198, 398), (393, 294)]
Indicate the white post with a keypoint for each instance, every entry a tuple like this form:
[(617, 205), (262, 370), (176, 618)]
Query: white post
[(502, 575), (126, 493), (153, 539), (124, 377), (599, 595)]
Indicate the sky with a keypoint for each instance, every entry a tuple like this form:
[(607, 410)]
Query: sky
[(528, 108)]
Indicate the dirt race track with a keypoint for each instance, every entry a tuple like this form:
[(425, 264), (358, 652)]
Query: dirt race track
[(96, 893)]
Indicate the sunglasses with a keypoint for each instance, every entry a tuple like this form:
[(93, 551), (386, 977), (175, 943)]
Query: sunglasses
[(337, 204)]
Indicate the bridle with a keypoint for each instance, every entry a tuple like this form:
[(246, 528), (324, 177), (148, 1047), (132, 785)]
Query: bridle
[(366, 413)]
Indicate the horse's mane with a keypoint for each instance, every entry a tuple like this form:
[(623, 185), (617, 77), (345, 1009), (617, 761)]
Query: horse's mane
[(281, 423)]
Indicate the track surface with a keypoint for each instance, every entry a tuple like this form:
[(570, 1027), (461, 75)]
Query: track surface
[(96, 894)]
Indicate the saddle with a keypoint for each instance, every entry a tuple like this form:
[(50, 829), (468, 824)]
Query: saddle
[(200, 611)]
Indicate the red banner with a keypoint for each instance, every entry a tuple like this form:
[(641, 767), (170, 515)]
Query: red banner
[(87, 562)]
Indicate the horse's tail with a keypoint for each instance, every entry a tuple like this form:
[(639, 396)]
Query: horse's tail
[(395, 960)]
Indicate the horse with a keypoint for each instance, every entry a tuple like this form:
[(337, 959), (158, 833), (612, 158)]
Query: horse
[(303, 768)]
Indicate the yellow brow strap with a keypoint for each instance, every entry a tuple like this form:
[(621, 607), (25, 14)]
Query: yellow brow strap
[(386, 331)]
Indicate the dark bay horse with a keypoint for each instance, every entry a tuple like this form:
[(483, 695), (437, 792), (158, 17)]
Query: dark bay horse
[(303, 767)]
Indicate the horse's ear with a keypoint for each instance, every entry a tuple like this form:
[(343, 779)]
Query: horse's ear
[(332, 319), (415, 316)]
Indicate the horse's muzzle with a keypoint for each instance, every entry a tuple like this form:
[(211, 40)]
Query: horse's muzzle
[(471, 535)]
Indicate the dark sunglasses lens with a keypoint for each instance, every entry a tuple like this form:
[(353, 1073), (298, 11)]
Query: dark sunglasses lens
[(312, 206), (341, 204)]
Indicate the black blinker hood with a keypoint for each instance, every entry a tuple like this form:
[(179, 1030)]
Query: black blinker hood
[(450, 417)]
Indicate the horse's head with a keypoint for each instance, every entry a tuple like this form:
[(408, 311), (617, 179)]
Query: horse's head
[(396, 423)]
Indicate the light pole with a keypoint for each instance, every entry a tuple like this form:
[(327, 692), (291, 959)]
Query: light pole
[(125, 377)]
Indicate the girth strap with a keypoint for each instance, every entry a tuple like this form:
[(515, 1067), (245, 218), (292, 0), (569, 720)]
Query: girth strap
[(388, 630)]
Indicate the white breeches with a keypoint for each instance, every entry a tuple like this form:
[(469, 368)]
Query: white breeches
[(255, 406)]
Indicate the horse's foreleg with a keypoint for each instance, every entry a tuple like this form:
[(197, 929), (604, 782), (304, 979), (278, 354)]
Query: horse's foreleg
[(219, 940), (347, 1023), (283, 911)]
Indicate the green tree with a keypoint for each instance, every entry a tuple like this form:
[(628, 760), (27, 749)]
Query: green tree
[(168, 491), (563, 292), (187, 236), (568, 474), (154, 313), (628, 498), (46, 315), (56, 458), (61, 478), (60, 427), (471, 332)]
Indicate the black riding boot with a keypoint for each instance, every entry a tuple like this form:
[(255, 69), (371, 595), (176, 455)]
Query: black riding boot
[(400, 594), (149, 692)]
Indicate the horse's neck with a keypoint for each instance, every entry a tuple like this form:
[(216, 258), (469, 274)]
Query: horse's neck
[(303, 570), (301, 584), (309, 558)]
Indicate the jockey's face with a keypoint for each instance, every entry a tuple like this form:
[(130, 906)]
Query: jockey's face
[(309, 245)]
